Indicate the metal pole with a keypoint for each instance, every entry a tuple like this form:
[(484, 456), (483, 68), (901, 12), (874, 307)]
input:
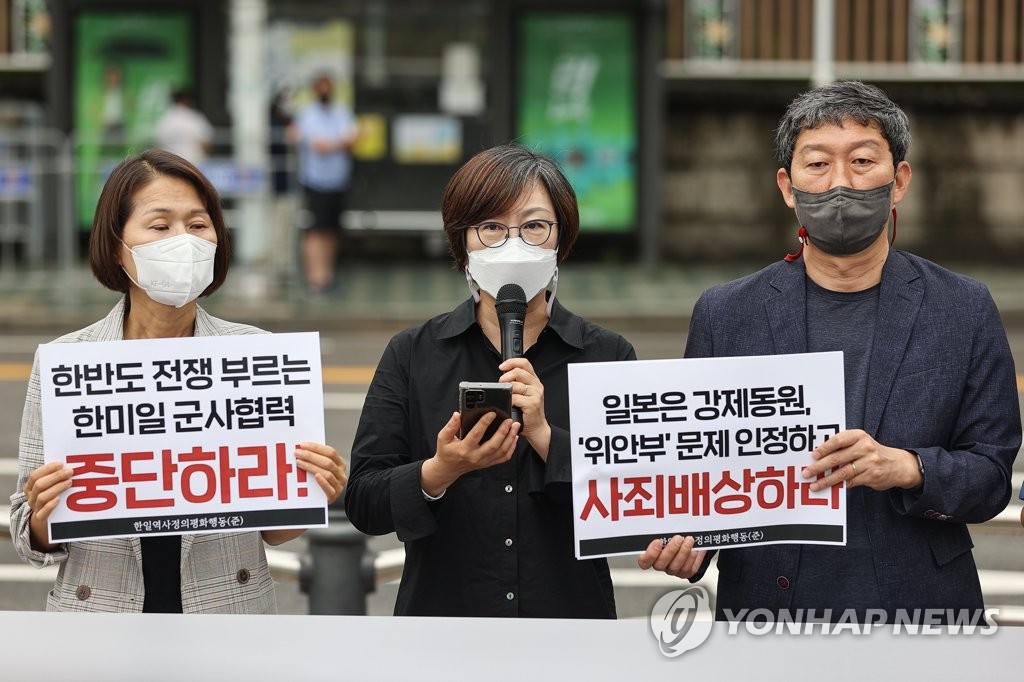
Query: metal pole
[(651, 122), (251, 127), (337, 572), (823, 70), (67, 233)]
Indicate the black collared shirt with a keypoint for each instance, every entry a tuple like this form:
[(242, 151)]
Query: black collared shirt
[(500, 541), (161, 573)]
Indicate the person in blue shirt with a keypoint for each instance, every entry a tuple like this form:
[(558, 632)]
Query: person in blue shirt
[(325, 131)]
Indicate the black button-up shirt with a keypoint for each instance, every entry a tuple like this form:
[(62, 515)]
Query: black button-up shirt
[(500, 540)]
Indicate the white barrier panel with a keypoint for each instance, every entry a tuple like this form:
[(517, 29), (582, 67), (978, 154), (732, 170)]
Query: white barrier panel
[(175, 647)]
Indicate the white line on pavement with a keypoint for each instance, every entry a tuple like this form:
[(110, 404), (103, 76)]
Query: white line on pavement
[(344, 401), (22, 573)]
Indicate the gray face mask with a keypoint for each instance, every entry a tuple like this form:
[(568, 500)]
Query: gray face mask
[(843, 221)]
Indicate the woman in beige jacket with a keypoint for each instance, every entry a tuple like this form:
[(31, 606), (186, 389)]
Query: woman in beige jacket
[(149, 200)]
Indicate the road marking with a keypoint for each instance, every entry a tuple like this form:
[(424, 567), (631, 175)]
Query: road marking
[(348, 374), (344, 401), (27, 574), (333, 374), (1001, 583), (14, 371)]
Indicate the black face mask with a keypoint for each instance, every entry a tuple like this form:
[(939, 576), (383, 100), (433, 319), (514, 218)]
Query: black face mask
[(325, 98), (844, 221)]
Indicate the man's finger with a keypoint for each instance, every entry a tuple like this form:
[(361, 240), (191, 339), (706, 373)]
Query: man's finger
[(668, 553), (682, 557), (650, 555)]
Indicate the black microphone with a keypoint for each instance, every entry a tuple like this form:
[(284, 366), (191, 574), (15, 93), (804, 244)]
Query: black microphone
[(511, 308)]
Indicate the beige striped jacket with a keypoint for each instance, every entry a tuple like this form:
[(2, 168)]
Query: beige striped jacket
[(220, 573)]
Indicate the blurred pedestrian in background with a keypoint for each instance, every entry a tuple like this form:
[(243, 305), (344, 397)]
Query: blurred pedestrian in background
[(159, 238), (283, 253), (487, 526), (112, 110), (325, 131), (184, 130)]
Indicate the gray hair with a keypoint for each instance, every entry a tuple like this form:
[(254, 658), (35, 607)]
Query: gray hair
[(836, 104)]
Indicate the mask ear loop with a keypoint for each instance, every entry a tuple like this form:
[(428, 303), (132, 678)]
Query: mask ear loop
[(474, 288), (892, 240), (802, 236), (554, 288)]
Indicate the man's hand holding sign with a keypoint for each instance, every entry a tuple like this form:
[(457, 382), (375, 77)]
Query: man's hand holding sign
[(851, 457), (854, 457)]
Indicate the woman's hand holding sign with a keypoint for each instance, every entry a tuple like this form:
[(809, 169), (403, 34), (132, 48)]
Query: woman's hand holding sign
[(43, 489), (326, 465), (330, 472)]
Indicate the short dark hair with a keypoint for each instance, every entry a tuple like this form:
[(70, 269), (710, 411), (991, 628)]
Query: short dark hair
[(181, 96), (836, 103), (117, 201), (492, 182)]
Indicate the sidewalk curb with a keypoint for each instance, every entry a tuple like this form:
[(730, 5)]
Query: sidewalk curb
[(617, 297)]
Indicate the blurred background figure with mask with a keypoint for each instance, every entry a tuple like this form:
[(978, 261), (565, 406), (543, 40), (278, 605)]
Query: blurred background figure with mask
[(325, 131)]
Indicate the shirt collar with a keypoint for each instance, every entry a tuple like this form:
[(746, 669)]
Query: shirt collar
[(568, 326)]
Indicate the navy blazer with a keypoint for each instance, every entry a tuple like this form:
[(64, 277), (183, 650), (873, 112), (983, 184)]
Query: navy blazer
[(942, 384)]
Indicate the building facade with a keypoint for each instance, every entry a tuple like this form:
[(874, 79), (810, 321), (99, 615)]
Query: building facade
[(661, 111)]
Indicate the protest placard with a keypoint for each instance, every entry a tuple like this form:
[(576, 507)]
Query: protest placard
[(183, 435), (712, 448)]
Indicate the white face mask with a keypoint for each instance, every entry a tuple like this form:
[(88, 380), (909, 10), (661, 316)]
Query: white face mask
[(175, 270), (514, 262)]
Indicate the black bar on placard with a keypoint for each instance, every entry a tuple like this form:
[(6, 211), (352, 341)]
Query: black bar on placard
[(264, 518), (789, 533)]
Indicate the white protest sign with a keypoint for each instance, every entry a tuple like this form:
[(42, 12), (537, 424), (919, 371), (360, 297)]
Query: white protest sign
[(184, 435), (711, 448)]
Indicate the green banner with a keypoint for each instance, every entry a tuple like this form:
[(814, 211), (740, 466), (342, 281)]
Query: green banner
[(125, 66), (577, 103)]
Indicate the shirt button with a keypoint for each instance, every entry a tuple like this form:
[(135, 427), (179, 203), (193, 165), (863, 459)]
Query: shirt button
[(510, 596), (242, 576), (783, 582), (508, 488), (508, 542), (83, 592)]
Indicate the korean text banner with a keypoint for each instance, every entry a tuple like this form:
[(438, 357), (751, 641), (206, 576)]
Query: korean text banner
[(185, 435), (711, 448)]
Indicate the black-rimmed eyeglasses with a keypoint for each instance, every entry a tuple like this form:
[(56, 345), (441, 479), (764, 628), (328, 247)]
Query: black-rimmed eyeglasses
[(533, 232)]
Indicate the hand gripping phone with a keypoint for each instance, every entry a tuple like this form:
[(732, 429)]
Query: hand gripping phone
[(477, 399)]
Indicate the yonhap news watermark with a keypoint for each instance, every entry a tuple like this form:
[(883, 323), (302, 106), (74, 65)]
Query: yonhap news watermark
[(850, 621), (682, 620)]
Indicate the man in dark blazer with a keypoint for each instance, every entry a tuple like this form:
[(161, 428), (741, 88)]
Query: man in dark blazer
[(931, 398)]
